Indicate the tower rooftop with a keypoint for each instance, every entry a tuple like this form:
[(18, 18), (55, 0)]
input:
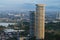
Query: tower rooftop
[(40, 4)]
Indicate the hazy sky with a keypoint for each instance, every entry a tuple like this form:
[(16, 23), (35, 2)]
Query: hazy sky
[(28, 4)]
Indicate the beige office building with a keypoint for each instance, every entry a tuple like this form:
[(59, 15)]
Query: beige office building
[(40, 21)]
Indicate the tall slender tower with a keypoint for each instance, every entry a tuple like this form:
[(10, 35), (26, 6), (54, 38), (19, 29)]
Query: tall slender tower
[(40, 21), (58, 15)]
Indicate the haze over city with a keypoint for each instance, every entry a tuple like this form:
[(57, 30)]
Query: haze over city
[(23, 5)]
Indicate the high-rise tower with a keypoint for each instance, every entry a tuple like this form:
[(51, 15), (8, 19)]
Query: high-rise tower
[(37, 22), (58, 15), (32, 23), (40, 21)]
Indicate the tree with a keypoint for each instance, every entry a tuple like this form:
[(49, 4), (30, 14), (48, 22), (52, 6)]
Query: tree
[(2, 28)]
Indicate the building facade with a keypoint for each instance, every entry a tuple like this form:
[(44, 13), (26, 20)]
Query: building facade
[(40, 21), (32, 23)]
